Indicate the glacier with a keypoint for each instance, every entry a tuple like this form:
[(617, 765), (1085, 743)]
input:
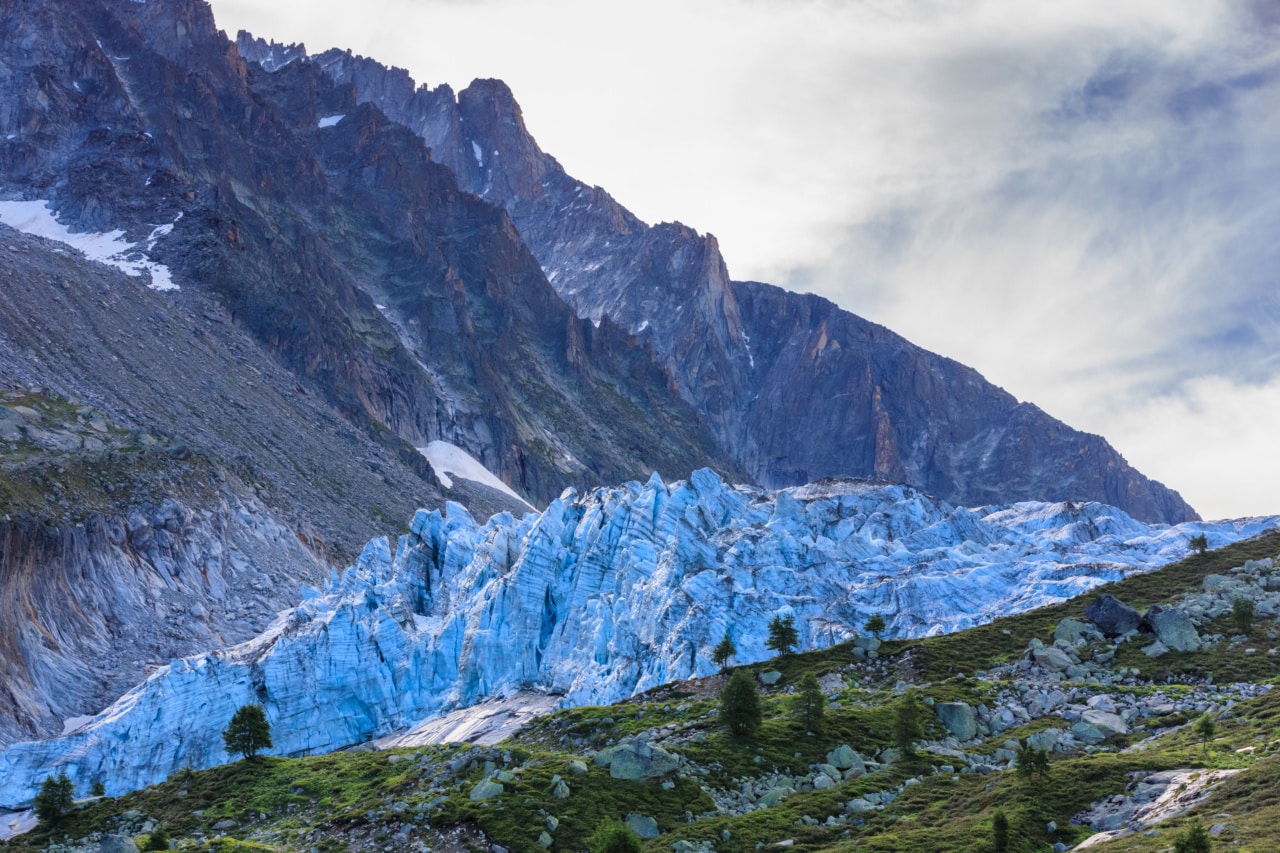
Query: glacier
[(602, 595)]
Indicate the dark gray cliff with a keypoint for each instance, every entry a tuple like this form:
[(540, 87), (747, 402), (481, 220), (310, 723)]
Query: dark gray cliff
[(794, 387), (410, 305), (341, 302)]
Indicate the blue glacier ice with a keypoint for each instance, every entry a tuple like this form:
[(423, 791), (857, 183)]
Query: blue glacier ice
[(600, 596)]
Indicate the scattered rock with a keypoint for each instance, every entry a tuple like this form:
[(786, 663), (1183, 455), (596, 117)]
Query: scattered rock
[(1111, 615), (958, 718), (642, 825)]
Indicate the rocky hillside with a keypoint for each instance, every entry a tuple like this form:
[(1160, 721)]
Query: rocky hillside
[(268, 297), (794, 388), (601, 597), (325, 232), (1091, 691)]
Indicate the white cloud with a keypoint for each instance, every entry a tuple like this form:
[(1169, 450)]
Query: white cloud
[(1074, 198), (1217, 434)]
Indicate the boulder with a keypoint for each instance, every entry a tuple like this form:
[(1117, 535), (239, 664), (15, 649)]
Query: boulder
[(1173, 628), (642, 825), (1112, 616), (560, 790), (1051, 658), (958, 719), (117, 844), (637, 760), (1072, 631), (486, 790), (770, 678), (844, 758), (1105, 722), (867, 644), (1045, 740)]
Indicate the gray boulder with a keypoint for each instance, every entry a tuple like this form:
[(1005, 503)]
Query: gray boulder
[(117, 844), (844, 758), (642, 825), (1072, 631), (958, 719), (1106, 723), (637, 760), (1051, 658), (1173, 628), (486, 790), (1111, 615)]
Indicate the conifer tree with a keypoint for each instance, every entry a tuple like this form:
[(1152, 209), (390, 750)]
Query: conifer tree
[(783, 636), (808, 704), (875, 625), (247, 732), (614, 837), (1194, 840), (724, 650), (740, 704), (1206, 728), (907, 727), (1000, 832), (54, 800)]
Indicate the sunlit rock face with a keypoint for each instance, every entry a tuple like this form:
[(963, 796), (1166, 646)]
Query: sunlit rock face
[(599, 597)]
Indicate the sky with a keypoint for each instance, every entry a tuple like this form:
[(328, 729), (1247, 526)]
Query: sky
[(1079, 199)]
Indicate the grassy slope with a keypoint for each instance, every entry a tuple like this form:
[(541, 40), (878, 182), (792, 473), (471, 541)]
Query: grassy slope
[(325, 801)]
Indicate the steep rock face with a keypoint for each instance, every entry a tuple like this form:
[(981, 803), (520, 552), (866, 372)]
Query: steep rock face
[(325, 231), (601, 596), (86, 609), (794, 387)]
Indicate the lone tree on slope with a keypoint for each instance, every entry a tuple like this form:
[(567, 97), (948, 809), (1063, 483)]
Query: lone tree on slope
[(1000, 832), (907, 726), (1206, 728), (54, 800), (808, 704), (875, 625), (740, 704), (783, 636), (614, 837), (1242, 612), (247, 732), (1194, 840), (724, 650), (1199, 543)]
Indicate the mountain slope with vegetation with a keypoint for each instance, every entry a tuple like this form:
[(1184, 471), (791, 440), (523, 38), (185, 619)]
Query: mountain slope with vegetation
[(665, 765)]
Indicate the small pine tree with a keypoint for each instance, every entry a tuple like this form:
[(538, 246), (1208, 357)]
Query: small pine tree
[(1000, 832), (1206, 728), (808, 705), (614, 837), (55, 799), (783, 636), (1033, 763), (1194, 840), (247, 732), (1199, 543), (907, 727), (98, 789), (875, 625), (159, 839), (1242, 610), (724, 650), (740, 704)]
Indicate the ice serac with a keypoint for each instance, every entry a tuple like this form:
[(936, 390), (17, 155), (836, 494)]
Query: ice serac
[(601, 596), (794, 387)]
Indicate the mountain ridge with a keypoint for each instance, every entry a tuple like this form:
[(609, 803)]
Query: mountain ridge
[(971, 443)]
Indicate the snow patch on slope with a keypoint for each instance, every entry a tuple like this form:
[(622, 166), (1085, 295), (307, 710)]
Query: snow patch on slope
[(330, 121), (35, 217), (448, 461)]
